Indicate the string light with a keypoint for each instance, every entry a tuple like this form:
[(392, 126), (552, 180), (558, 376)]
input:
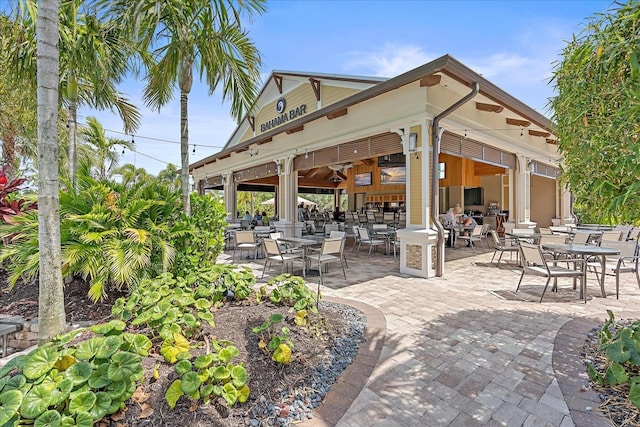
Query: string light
[(306, 153), (521, 132), (133, 141), (465, 133), (194, 149), (123, 149)]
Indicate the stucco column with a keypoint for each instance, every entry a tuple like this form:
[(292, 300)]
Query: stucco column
[(229, 188), (564, 203), (287, 210), (522, 194)]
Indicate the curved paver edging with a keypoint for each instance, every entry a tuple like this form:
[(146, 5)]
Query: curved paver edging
[(349, 384), (571, 374)]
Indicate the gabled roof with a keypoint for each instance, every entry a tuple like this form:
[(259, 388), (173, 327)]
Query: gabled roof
[(276, 75), (445, 64)]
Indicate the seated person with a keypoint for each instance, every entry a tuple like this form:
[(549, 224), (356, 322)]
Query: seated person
[(469, 224), (247, 216), (449, 219)]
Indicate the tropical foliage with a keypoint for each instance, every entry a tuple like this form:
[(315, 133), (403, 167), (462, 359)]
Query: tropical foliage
[(202, 34), (12, 204), (596, 111), (116, 235), (100, 150)]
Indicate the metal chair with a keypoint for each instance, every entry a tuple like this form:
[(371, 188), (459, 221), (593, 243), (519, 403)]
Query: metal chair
[(331, 251), (626, 262), (245, 240), (273, 254), (611, 236), (534, 262), (498, 246), (343, 236), (367, 240), (474, 236)]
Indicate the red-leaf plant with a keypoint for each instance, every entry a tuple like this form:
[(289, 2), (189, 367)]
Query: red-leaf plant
[(11, 206)]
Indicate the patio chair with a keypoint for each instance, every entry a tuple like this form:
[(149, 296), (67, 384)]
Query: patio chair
[(356, 238), (484, 234), (273, 254), (474, 236), (343, 236), (245, 241), (609, 236), (330, 252), (499, 246), (626, 262), (534, 262), (367, 240), (581, 238)]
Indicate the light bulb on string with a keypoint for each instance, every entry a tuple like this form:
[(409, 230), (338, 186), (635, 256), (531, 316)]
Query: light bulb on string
[(521, 132), (123, 149), (194, 149), (133, 141)]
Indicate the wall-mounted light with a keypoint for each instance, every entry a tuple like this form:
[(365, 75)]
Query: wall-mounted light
[(413, 142), (279, 168), (531, 166)]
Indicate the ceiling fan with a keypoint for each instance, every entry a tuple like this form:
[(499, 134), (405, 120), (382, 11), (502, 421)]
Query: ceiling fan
[(338, 176), (340, 166)]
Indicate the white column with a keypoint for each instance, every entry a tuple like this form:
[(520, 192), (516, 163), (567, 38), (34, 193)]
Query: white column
[(230, 192), (523, 194), (288, 213)]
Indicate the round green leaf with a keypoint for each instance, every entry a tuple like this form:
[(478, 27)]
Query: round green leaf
[(35, 402), (150, 298), (230, 394), (123, 365), (17, 362), (239, 376), (138, 343), (173, 393), (243, 394), (101, 407), (105, 328), (190, 382), (227, 353), (61, 392), (203, 303), (84, 419), (9, 404), (182, 367), (168, 330), (221, 373), (15, 383), (203, 361), (87, 350), (40, 362), (79, 373), (50, 418), (83, 402), (117, 389), (109, 346), (207, 316), (276, 318)]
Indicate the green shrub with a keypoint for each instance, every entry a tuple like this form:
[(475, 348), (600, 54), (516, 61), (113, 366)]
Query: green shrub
[(111, 235), (623, 354), (64, 384)]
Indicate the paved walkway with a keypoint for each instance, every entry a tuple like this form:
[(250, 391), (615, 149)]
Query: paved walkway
[(457, 353)]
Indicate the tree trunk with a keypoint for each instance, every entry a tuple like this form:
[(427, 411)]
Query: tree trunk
[(184, 152), (9, 154), (51, 314), (72, 124)]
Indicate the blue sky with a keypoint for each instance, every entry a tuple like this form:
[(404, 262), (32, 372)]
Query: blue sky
[(511, 43)]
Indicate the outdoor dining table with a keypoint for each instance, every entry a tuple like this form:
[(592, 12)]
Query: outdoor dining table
[(532, 235), (454, 232), (584, 251), (304, 243)]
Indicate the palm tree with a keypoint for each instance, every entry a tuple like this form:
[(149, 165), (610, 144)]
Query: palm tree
[(132, 176), (102, 150), (51, 314), (94, 57), (206, 34)]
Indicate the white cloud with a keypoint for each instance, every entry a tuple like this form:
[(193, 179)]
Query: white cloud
[(389, 61)]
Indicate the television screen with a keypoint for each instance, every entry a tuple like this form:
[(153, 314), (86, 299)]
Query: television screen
[(392, 176), (362, 179)]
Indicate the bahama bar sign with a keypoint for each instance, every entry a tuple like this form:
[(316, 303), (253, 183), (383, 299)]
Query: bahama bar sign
[(283, 115)]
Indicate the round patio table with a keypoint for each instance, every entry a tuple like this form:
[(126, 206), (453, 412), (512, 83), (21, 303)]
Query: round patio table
[(584, 251)]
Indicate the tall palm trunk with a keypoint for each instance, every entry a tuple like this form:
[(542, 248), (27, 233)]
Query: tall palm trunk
[(72, 124), (9, 154), (51, 314), (185, 83)]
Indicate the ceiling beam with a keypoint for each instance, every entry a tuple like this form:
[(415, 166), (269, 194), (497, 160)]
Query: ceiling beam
[(491, 108), (539, 133), (264, 141), (368, 162), (336, 114), (432, 80), (518, 122)]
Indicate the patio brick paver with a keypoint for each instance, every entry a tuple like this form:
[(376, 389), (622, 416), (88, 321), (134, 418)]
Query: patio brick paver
[(454, 353)]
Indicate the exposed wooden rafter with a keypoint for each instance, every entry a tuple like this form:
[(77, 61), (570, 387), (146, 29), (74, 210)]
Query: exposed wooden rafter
[(539, 133), (315, 84), (368, 162), (295, 129), (336, 114), (431, 80), (264, 141), (241, 150), (252, 122), (278, 80), (518, 122), (552, 141), (491, 108), (224, 156), (314, 172)]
